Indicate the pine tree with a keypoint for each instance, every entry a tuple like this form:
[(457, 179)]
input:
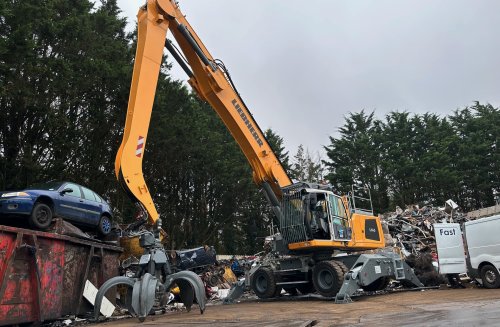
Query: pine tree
[(64, 75), (306, 167), (277, 145), (355, 157)]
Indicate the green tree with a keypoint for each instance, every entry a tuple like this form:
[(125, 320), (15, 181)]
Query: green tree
[(306, 167), (355, 157), (64, 73), (399, 161), (478, 132), (422, 159), (277, 145), (435, 175)]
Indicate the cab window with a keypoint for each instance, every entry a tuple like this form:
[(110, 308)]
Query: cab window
[(76, 190), (337, 210)]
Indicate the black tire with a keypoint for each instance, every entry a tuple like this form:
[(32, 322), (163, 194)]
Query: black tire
[(378, 285), (264, 284), (41, 216), (328, 278), (104, 227), (306, 288), (344, 268), (490, 276)]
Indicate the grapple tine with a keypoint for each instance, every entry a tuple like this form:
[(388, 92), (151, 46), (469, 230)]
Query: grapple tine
[(143, 295), (120, 280), (185, 278)]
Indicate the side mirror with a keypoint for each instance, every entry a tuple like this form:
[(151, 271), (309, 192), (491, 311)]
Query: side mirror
[(66, 190)]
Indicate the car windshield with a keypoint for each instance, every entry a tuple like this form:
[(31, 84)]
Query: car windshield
[(49, 186)]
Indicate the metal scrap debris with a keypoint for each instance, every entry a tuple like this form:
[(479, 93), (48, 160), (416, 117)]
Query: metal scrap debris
[(411, 231)]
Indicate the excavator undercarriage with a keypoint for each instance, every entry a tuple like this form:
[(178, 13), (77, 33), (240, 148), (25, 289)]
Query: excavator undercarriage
[(315, 250), (337, 276)]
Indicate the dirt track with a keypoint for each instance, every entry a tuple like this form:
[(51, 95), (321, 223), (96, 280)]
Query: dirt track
[(450, 307)]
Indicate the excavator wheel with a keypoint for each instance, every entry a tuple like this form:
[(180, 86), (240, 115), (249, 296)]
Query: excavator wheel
[(328, 277), (377, 285), (263, 283), (344, 268)]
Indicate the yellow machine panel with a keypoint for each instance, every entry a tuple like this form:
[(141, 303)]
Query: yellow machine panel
[(366, 235)]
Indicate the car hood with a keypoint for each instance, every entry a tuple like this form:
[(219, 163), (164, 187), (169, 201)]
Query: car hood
[(30, 192), (39, 192)]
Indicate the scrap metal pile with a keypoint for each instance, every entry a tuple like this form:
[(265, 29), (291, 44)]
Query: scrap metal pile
[(217, 275), (411, 231)]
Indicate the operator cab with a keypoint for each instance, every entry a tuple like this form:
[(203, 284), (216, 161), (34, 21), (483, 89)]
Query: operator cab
[(314, 212), (313, 216), (326, 217)]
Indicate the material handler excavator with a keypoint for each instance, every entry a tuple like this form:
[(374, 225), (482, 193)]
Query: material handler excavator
[(314, 222)]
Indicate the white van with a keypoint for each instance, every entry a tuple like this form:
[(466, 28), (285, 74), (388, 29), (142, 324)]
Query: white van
[(479, 258)]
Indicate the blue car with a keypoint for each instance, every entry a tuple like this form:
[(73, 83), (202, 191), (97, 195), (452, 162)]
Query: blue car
[(70, 201)]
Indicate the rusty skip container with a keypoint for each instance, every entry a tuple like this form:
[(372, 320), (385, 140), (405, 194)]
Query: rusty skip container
[(43, 275)]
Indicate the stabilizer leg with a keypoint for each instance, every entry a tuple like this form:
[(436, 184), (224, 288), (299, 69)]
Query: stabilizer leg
[(371, 267)]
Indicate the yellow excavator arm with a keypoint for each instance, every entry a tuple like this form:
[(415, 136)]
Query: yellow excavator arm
[(209, 78)]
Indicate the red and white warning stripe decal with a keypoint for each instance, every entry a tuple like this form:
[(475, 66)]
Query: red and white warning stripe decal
[(140, 146)]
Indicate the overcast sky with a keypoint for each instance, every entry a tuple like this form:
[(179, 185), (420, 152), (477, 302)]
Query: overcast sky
[(301, 66)]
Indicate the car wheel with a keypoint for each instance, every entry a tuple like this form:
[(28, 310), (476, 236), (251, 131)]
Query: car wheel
[(104, 227), (41, 216), (490, 276)]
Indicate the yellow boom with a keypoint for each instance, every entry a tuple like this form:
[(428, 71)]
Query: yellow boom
[(212, 84)]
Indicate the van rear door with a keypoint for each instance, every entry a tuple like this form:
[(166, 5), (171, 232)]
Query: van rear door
[(450, 247)]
